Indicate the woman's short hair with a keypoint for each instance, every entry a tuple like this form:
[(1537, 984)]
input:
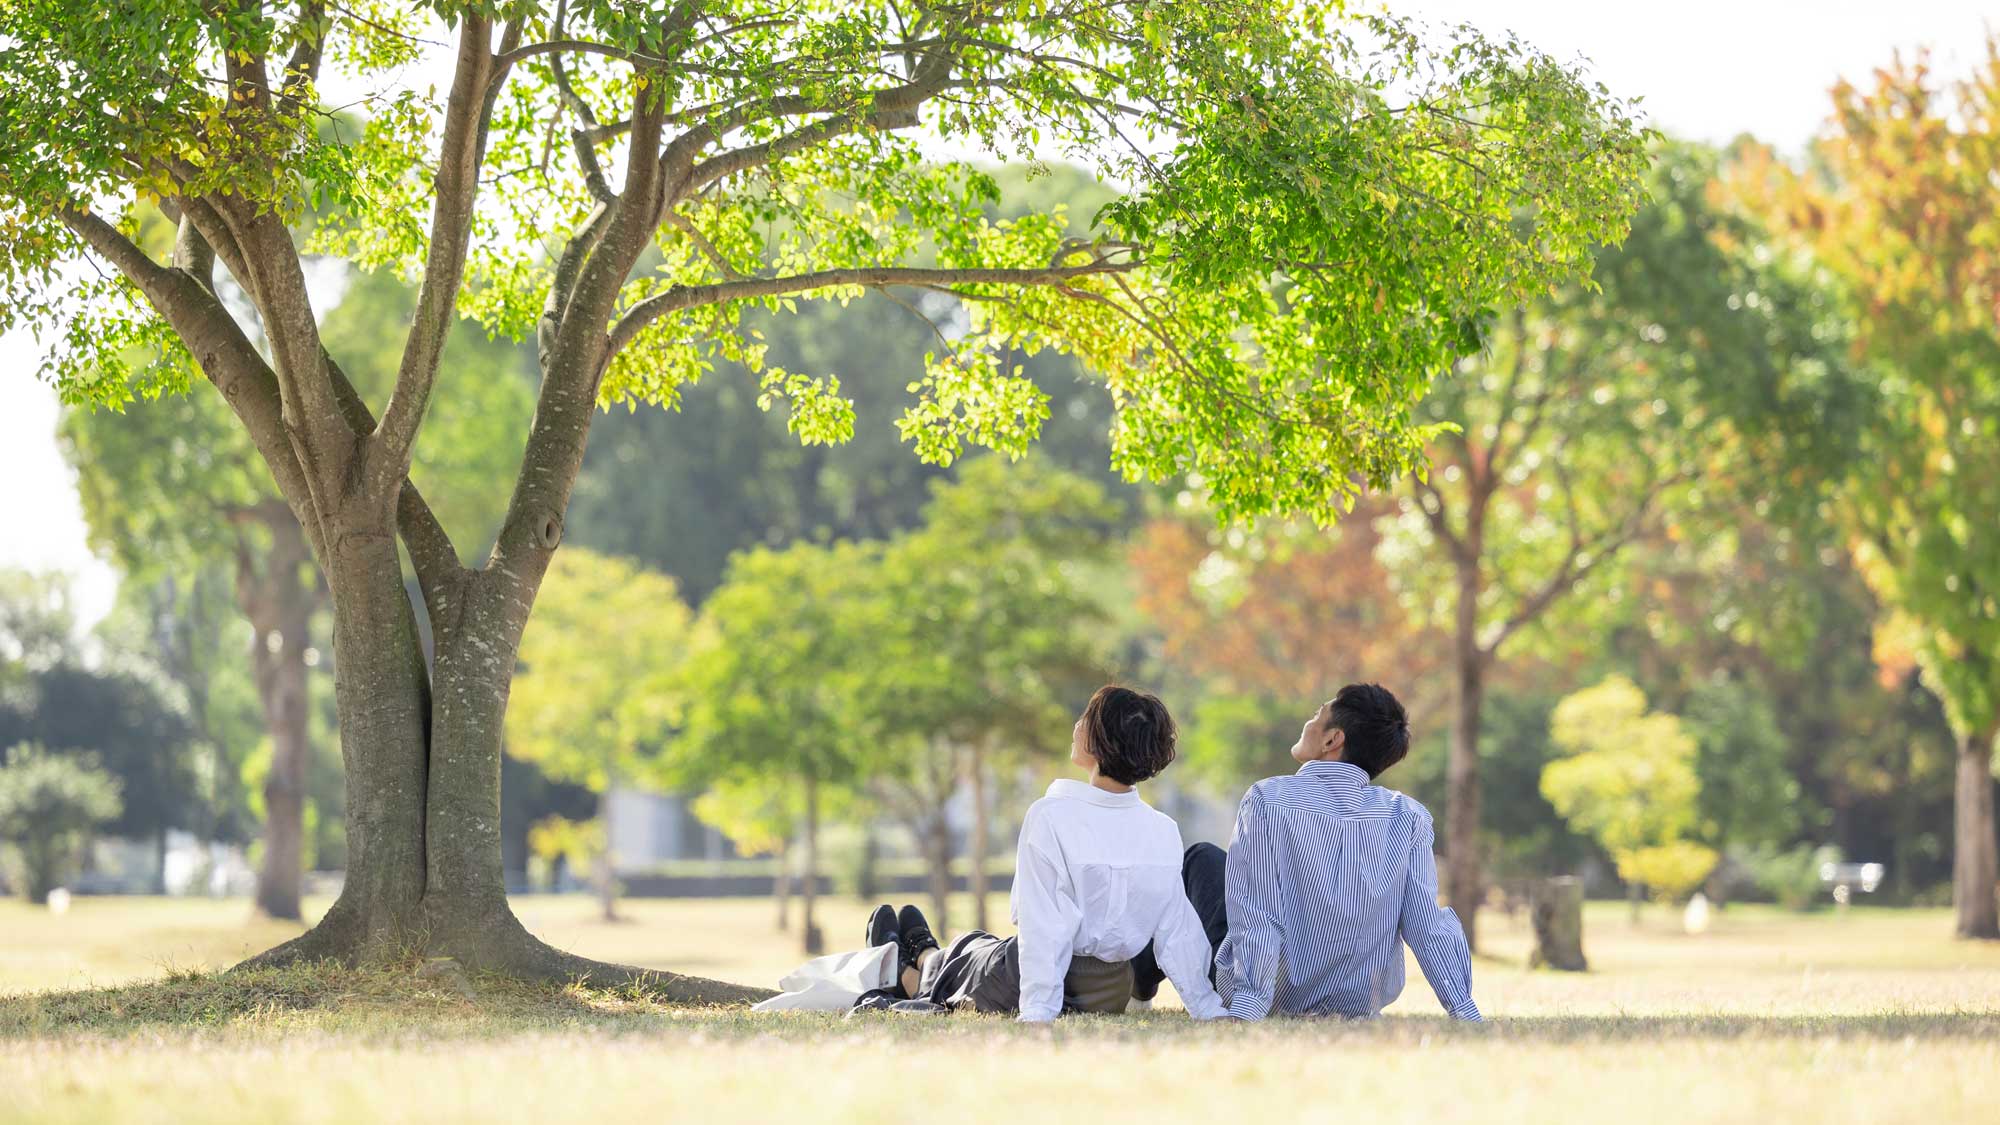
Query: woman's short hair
[(1130, 733)]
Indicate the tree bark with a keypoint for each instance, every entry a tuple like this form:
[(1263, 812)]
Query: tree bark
[(809, 934), (781, 887), (1975, 867), (423, 777), (279, 603), (981, 831), (607, 868), (937, 853), (1464, 885), (1555, 908)]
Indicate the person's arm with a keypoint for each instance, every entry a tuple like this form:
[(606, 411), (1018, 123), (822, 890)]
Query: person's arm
[(1432, 931), (1181, 948), (1256, 933), (1046, 911)]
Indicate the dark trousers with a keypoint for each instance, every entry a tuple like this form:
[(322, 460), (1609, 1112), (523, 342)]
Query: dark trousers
[(983, 973), (1203, 869)]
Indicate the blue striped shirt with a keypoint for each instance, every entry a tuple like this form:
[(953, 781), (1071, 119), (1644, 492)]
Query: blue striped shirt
[(1326, 873)]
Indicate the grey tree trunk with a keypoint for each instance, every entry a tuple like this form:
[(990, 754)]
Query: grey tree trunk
[(423, 778), (607, 866), (781, 886), (1555, 908), (937, 857), (279, 603), (809, 934), (981, 833), (1975, 868), (1463, 882)]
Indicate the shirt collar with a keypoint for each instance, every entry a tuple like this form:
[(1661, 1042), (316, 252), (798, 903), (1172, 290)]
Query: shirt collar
[(1091, 794), (1345, 775)]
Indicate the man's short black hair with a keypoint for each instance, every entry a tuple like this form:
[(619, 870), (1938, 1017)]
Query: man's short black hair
[(1130, 732), (1377, 729)]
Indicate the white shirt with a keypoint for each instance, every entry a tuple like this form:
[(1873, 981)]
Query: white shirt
[(1099, 874)]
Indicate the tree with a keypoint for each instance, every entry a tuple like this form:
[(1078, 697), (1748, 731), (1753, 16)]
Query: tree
[(138, 505), (1321, 207), (1589, 418), (1627, 778), (1269, 624), (1900, 205), (772, 685), (116, 717), (174, 489), (48, 807), (989, 637), (594, 699)]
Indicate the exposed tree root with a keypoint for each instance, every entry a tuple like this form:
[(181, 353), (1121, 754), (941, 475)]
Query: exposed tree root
[(494, 941)]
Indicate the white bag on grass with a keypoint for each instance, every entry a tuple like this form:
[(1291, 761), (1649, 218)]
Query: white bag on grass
[(834, 982)]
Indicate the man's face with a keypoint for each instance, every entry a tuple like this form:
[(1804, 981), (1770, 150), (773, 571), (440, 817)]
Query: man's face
[(1319, 739)]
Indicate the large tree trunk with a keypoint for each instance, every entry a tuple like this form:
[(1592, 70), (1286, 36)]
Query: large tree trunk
[(423, 788), (1464, 885), (981, 830), (279, 603), (1975, 868)]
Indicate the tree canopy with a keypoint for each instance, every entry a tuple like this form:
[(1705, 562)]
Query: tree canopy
[(1296, 173)]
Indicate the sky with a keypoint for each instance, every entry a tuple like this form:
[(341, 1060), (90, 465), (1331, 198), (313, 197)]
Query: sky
[(1705, 70)]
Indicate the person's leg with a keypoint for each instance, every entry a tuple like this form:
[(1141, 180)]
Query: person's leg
[(1204, 870), (1146, 975), (913, 975)]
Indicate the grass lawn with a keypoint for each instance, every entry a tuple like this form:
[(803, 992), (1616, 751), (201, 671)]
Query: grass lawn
[(1875, 1016)]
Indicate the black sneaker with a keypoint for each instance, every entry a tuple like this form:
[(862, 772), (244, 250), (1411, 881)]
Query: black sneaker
[(916, 936), (882, 928)]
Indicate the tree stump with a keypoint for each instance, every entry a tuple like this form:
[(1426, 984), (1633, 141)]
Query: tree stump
[(1555, 907)]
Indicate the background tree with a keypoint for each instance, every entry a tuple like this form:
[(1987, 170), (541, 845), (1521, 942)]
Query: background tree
[(992, 637), (594, 699), (115, 716), (1628, 779), (1588, 418), (48, 807), (772, 684), (1357, 194), (1900, 205), (1265, 626)]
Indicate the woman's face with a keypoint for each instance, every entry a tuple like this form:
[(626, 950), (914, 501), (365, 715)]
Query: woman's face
[(1079, 748)]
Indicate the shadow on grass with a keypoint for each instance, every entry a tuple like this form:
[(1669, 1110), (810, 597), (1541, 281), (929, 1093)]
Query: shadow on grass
[(416, 1001)]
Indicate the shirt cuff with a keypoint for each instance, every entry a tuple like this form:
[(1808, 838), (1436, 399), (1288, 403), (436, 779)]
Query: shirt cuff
[(1468, 1011), (1244, 1006)]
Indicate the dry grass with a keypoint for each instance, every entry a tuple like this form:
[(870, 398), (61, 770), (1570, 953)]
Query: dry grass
[(1878, 1016)]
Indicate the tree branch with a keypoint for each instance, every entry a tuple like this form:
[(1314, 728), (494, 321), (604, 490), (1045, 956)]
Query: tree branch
[(302, 70), (457, 185), (1435, 516), (682, 297), (439, 571), (219, 347), (1591, 552)]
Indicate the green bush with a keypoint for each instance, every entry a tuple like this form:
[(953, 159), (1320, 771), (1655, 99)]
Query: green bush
[(1791, 877), (49, 804)]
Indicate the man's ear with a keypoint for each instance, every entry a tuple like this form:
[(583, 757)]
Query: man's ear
[(1336, 739)]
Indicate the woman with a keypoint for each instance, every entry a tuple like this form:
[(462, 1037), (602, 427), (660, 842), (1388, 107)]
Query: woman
[(1097, 878)]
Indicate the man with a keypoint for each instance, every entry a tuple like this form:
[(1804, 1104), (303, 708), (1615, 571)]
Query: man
[(1325, 878)]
